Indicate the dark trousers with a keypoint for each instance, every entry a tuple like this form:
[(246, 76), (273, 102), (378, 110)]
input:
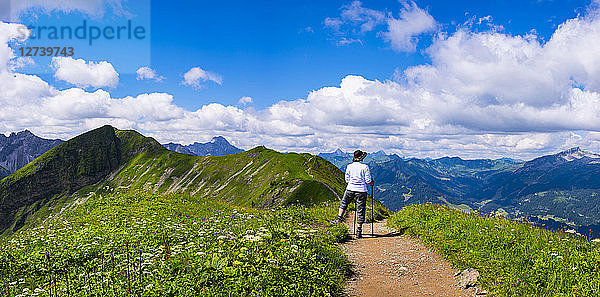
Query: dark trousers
[(361, 203)]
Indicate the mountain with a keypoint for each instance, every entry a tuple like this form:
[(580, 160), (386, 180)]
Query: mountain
[(109, 160), (448, 180), (564, 187), (4, 172), (180, 148), (341, 159), (43, 183), (218, 146), (20, 148)]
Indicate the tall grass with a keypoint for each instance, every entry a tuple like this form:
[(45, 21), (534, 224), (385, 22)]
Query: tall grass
[(514, 259)]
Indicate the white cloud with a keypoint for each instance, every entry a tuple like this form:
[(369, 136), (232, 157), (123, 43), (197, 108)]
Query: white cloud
[(92, 8), (355, 20), (484, 94), (367, 19), (10, 32), (402, 32), (144, 73), (85, 74), (245, 100), (196, 76)]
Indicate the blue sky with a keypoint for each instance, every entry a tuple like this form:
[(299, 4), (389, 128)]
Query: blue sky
[(284, 55), (265, 52), (274, 51)]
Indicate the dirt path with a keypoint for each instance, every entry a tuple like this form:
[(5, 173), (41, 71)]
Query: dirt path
[(391, 264)]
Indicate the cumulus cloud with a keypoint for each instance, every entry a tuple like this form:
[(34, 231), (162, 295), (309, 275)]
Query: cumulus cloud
[(147, 73), (402, 32), (196, 76), (85, 74), (484, 94), (10, 32)]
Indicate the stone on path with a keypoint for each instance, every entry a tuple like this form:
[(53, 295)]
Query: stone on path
[(468, 278)]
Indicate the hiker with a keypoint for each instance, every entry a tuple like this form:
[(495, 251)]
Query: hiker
[(358, 176)]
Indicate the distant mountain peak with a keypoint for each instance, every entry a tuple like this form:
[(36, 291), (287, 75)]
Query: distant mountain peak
[(23, 133), (379, 153), (576, 153), (20, 148), (217, 146), (219, 139)]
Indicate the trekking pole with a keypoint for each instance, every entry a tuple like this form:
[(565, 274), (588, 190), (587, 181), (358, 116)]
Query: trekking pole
[(354, 226), (372, 208)]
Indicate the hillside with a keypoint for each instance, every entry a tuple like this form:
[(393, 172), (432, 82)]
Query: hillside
[(513, 259), (107, 160), (82, 161), (445, 180), (140, 244), (259, 177), (564, 185), (4, 172)]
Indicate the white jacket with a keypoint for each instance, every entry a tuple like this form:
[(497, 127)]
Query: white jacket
[(358, 176)]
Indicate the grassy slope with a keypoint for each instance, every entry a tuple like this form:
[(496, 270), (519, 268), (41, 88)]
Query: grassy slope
[(514, 259), (259, 177)]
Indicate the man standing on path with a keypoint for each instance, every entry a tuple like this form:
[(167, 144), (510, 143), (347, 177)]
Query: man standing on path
[(358, 176)]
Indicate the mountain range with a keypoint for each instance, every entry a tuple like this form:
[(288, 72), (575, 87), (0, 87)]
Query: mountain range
[(563, 187), (107, 160), (218, 146), (20, 148), (341, 159)]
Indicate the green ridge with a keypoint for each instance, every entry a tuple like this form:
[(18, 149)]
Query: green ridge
[(106, 160)]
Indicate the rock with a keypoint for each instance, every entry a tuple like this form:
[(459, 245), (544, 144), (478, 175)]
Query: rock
[(468, 278), (402, 270), (481, 292)]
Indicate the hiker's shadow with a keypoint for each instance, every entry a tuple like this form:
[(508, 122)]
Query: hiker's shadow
[(351, 236)]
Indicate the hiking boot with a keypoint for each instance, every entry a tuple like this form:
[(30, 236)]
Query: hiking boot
[(358, 233), (338, 220)]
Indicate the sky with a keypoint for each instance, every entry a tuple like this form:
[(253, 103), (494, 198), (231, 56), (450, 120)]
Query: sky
[(475, 79)]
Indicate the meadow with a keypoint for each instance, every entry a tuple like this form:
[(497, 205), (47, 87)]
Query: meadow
[(143, 244), (514, 258)]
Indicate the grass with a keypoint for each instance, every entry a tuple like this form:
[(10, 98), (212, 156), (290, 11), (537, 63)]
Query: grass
[(175, 245), (514, 259)]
